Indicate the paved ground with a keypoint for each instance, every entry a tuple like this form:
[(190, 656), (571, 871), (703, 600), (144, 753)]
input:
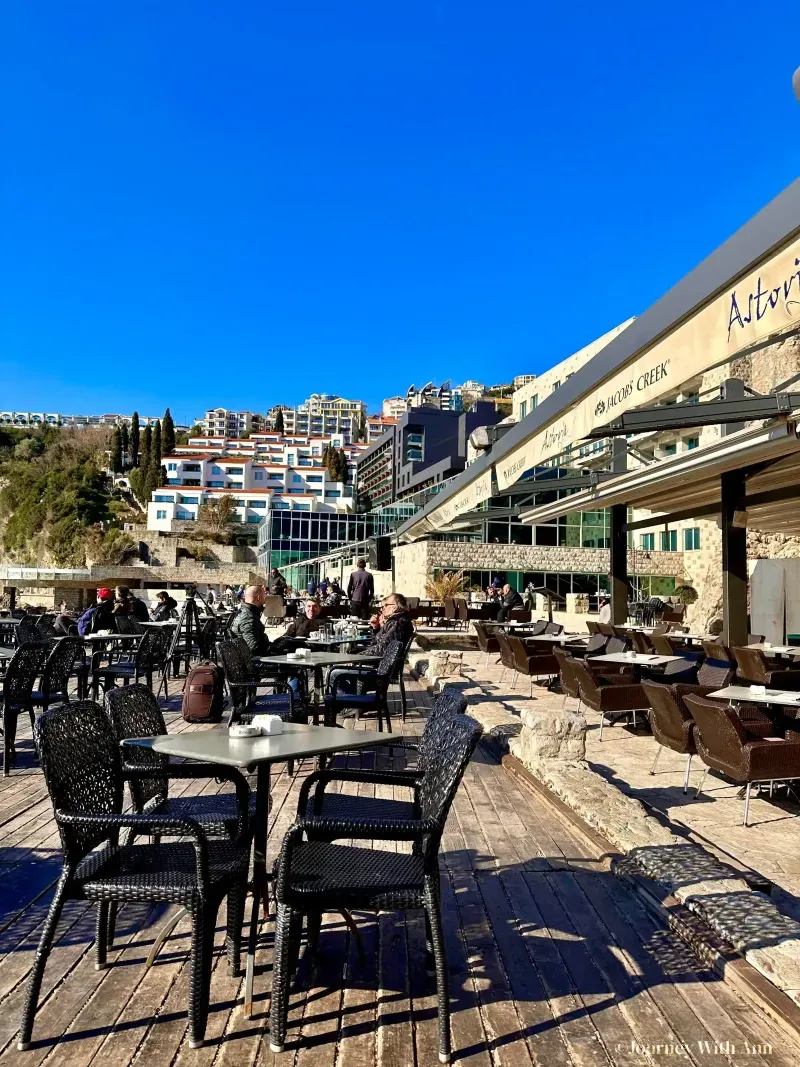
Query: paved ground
[(769, 845), (551, 959)]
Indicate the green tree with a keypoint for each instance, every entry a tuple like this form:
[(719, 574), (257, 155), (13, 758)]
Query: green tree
[(279, 421), (362, 428), (116, 451), (196, 431), (147, 445), (135, 439), (126, 444), (155, 446), (167, 434), (217, 516), (181, 438)]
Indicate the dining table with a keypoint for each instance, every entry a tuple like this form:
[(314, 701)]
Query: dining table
[(748, 694), (317, 662), (297, 741), (640, 659)]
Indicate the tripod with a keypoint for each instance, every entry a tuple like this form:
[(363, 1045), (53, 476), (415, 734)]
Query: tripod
[(185, 633)]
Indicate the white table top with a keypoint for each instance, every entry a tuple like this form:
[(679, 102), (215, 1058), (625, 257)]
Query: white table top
[(783, 650), (167, 623), (555, 639), (297, 741), (317, 659), (6, 653), (98, 638), (639, 660), (745, 693)]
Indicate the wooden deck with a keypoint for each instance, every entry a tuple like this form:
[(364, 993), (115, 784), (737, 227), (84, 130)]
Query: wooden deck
[(552, 961)]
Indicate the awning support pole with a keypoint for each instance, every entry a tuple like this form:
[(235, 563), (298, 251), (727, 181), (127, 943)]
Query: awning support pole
[(619, 565), (734, 558)]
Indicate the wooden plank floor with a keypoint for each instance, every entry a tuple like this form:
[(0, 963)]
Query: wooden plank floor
[(552, 961)]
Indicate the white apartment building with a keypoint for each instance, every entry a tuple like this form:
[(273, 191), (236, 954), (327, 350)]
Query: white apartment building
[(434, 396), (322, 414), (394, 407), (539, 386), (377, 425), (79, 422), (264, 471), (221, 422)]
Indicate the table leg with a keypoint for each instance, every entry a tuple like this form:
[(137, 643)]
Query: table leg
[(261, 823), (319, 684)]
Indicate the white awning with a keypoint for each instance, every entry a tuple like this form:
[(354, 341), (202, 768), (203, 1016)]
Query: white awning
[(692, 479)]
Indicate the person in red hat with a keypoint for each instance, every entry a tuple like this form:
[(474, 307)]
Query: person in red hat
[(99, 616)]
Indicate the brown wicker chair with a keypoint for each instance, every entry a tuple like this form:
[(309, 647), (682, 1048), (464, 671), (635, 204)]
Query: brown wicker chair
[(622, 699), (754, 670), (605, 628), (506, 655), (487, 642), (532, 666), (569, 682), (462, 613), (724, 744), (671, 723), (641, 642), (592, 627)]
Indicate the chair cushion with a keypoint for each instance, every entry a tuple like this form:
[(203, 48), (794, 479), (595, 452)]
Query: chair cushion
[(344, 806), (157, 872), (344, 876)]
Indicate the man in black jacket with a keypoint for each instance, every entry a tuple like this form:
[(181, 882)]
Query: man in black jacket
[(360, 590), (247, 623), (394, 625), (511, 600)]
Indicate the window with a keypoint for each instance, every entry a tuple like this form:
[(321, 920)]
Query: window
[(313, 477), (332, 493), (301, 507), (190, 500), (670, 450), (534, 401), (556, 385), (233, 471), (256, 503), (216, 470), (215, 485), (276, 477), (161, 513), (692, 442), (669, 540), (648, 542), (193, 467), (172, 466), (523, 409), (164, 499), (297, 478), (691, 539), (258, 476), (185, 516), (254, 518)]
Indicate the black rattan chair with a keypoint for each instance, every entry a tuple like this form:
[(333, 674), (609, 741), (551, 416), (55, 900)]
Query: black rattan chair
[(356, 690), (315, 875), (25, 666), (243, 687), (139, 665), (57, 672), (83, 771)]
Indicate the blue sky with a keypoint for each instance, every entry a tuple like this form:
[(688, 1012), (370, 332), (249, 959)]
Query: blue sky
[(238, 203)]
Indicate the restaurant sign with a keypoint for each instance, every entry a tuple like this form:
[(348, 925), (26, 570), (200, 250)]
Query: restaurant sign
[(466, 500), (764, 303)]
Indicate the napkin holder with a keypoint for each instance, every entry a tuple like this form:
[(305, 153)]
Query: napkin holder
[(268, 725)]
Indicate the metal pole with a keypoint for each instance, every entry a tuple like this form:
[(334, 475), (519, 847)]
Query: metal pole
[(619, 565), (734, 558)]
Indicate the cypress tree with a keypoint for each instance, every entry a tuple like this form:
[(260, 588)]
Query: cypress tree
[(147, 445), (167, 434), (135, 439), (155, 447), (116, 451), (125, 441), (279, 421)]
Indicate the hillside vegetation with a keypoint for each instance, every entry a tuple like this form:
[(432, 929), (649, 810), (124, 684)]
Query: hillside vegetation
[(56, 505)]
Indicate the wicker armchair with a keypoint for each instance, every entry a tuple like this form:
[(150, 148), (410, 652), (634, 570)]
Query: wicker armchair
[(671, 723), (554, 628), (724, 744), (532, 666), (139, 665), (487, 642), (83, 771), (506, 655), (569, 680), (641, 642), (369, 688), (25, 666), (57, 672), (313, 876), (754, 670), (447, 705), (618, 699), (243, 687), (27, 631)]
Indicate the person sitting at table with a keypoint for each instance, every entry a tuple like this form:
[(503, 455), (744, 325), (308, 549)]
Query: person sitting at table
[(392, 623), (65, 624), (247, 622), (165, 608), (99, 616), (511, 601), (128, 605), (302, 626)]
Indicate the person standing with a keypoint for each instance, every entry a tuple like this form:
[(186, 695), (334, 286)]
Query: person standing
[(277, 583), (360, 590)]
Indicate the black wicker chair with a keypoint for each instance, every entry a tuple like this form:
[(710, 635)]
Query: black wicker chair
[(57, 672), (314, 876), (447, 705), (139, 665), (83, 771), (243, 687), (356, 690), (25, 666), (397, 676), (27, 631)]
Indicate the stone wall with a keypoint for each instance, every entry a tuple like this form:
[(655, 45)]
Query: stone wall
[(463, 555)]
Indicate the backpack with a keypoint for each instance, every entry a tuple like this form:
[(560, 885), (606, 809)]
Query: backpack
[(86, 620), (203, 698)]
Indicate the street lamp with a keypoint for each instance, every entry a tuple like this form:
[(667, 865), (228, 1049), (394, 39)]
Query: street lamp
[(796, 83)]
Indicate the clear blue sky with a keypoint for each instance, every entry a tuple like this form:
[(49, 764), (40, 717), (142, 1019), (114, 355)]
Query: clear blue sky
[(240, 202)]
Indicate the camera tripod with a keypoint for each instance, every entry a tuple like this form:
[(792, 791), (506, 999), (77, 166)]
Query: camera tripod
[(188, 628)]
